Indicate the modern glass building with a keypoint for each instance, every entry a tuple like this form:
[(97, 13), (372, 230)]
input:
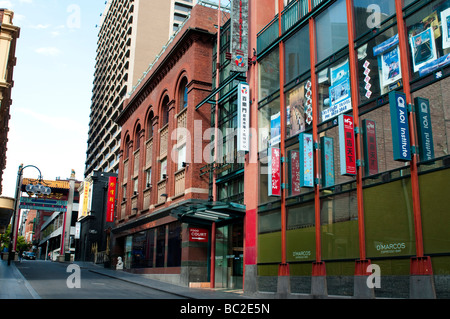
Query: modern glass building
[(317, 60)]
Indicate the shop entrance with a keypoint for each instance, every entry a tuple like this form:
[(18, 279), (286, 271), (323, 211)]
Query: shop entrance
[(229, 256)]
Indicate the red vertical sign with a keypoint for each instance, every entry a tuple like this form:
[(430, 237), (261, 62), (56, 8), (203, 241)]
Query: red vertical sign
[(294, 169), (111, 199), (347, 145), (274, 172), (371, 155)]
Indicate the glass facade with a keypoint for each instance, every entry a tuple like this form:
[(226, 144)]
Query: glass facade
[(356, 80)]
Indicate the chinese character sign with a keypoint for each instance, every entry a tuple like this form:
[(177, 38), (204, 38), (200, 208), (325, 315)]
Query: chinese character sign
[(306, 160), (111, 199), (370, 147), (243, 128), (347, 145), (294, 172), (274, 172)]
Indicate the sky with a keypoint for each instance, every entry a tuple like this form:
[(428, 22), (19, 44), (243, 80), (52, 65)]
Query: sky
[(52, 91)]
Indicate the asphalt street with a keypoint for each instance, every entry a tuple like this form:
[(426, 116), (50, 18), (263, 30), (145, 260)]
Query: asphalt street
[(51, 280)]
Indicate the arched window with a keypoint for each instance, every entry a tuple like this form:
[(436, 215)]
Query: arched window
[(183, 94), (165, 111), (127, 148), (150, 125), (137, 140)]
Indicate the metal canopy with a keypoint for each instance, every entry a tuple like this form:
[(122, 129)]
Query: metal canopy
[(208, 212)]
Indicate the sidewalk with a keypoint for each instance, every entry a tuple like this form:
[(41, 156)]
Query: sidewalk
[(13, 285), (185, 292)]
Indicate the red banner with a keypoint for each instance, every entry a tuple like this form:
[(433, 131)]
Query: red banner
[(347, 145), (111, 199), (274, 172)]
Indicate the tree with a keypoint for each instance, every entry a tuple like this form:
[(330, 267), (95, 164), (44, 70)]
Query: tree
[(22, 245)]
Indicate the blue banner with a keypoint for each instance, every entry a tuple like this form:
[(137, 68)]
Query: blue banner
[(424, 130), (327, 153), (400, 126), (306, 160)]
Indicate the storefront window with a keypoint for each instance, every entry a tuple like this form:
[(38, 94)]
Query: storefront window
[(339, 226), (379, 68), (380, 158), (300, 235), (331, 30), (429, 39), (297, 55), (436, 97), (389, 223), (269, 74), (299, 109), (334, 90), (160, 246), (370, 14), (269, 122), (269, 239), (174, 245)]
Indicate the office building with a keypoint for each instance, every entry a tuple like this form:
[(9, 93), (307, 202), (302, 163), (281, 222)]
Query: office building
[(131, 35)]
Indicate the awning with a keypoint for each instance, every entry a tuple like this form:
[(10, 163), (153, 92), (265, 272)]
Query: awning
[(6, 211), (207, 212)]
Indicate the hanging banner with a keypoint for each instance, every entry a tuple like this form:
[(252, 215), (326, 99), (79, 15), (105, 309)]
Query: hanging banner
[(424, 130), (243, 117), (239, 36), (306, 157), (370, 147), (274, 172), (86, 194), (111, 199), (347, 145), (399, 126), (327, 153), (294, 172)]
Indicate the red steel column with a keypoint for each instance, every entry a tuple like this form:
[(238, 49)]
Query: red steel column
[(361, 265), (420, 265), (319, 265), (283, 269)]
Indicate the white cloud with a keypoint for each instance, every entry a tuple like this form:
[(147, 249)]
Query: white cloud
[(48, 51), (40, 26), (6, 4)]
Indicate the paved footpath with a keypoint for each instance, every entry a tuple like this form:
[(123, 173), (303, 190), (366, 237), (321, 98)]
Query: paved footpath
[(13, 285)]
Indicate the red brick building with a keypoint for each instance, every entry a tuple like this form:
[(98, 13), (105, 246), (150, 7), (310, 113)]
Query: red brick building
[(160, 166)]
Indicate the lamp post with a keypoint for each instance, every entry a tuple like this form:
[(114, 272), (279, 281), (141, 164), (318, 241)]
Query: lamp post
[(16, 209)]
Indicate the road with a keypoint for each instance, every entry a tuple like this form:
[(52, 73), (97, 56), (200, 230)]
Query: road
[(49, 280)]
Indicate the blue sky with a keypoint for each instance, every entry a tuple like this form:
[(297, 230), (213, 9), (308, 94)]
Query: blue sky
[(52, 87)]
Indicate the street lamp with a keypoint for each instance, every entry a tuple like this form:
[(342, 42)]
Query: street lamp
[(16, 206)]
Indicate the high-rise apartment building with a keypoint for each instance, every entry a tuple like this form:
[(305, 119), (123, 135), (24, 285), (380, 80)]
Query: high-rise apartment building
[(131, 35)]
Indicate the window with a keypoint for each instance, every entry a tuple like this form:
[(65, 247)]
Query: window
[(150, 125), (331, 30), (160, 246), (174, 245), (298, 109), (297, 55), (269, 125), (137, 137), (135, 185), (163, 169), (370, 14), (429, 39), (334, 90), (379, 67), (124, 192), (183, 94), (181, 156), (148, 177), (165, 111), (269, 74)]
